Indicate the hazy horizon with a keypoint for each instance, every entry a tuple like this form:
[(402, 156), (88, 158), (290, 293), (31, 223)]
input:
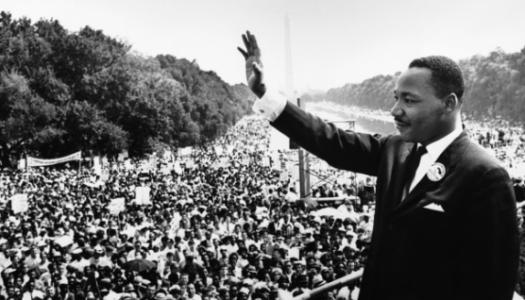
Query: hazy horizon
[(333, 42)]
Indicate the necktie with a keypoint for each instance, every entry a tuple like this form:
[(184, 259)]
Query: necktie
[(412, 164)]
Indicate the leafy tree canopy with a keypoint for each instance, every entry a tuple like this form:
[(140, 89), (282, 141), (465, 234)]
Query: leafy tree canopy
[(64, 91)]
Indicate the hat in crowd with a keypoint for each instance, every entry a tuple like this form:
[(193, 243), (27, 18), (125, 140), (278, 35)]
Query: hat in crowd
[(251, 269), (106, 280), (244, 290), (76, 251), (175, 288), (98, 249), (317, 280), (261, 286), (299, 262), (142, 281), (248, 282)]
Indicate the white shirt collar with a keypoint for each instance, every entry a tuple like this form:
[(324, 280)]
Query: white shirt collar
[(435, 149)]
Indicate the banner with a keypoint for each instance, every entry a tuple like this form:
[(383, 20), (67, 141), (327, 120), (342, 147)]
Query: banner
[(142, 195), (116, 206), (19, 203), (40, 162)]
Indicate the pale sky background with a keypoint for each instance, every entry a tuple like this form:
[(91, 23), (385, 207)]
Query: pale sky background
[(333, 41)]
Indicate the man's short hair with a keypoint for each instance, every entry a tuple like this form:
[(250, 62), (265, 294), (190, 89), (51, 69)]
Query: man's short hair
[(446, 77)]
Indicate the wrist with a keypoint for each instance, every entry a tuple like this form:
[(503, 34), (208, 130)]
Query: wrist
[(270, 105), (260, 91)]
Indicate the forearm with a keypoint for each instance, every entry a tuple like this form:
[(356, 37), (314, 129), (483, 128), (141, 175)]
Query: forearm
[(345, 150)]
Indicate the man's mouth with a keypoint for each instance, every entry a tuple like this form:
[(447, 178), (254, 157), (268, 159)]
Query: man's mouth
[(400, 123)]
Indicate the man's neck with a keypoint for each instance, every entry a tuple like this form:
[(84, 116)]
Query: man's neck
[(456, 126), (436, 147)]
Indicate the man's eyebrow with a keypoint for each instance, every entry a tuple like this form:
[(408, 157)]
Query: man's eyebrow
[(400, 94)]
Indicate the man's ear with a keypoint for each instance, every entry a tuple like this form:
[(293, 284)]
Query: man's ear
[(451, 102)]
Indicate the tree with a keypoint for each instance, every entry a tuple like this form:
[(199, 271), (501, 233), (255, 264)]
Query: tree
[(26, 119), (64, 91)]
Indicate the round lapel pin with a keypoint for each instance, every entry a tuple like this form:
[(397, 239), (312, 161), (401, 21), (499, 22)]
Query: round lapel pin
[(436, 172)]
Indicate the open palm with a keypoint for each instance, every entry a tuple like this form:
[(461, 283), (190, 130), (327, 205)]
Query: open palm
[(254, 68)]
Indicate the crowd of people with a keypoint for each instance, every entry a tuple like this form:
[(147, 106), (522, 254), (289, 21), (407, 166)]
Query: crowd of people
[(221, 222)]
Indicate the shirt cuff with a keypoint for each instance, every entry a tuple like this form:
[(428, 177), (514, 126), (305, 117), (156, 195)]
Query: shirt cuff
[(270, 106)]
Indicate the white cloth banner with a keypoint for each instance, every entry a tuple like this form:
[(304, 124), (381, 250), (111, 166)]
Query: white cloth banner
[(39, 162), (142, 195), (116, 206), (19, 203)]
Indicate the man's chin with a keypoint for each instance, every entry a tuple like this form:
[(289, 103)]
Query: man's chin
[(405, 136)]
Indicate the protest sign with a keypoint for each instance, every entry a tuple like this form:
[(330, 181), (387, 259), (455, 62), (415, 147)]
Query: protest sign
[(218, 150), (97, 166), (22, 164), (265, 161), (177, 168), (127, 165), (19, 203), (116, 206), (123, 155), (142, 195)]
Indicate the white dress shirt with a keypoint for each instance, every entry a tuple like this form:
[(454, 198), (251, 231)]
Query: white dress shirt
[(271, 105), (434, 150)]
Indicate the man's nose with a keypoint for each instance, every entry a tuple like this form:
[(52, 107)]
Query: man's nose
[(396, 110)]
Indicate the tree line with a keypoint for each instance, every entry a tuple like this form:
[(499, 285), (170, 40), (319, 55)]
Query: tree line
[(495, 88), (63, 91)]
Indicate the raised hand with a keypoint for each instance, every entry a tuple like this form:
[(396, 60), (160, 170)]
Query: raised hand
[(254, 67)]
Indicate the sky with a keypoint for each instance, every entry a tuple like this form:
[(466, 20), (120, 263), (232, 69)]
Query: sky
[(333, 42)]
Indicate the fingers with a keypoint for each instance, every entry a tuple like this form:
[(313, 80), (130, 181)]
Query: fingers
[(252, 48), (246, 41), (253, 43), (244, 53)]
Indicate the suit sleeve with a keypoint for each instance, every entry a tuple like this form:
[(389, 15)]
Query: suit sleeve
[(489, 248), (341, 149)]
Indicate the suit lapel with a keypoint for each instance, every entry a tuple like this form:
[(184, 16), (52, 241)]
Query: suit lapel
[(397, 183), (447, 158)]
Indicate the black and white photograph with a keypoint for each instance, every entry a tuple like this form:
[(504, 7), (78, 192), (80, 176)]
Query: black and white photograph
[(262, 150)]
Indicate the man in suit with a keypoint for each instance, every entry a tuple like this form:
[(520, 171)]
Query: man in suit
[(445, 223)]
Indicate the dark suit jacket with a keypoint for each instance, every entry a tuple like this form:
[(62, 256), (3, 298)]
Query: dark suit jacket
[(468, 251)]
